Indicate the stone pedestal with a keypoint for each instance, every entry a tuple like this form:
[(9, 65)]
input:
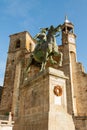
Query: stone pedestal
[(40, 108)]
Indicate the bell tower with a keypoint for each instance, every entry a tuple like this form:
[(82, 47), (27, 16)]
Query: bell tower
[(68, 35), (21, 44), (69, 61)]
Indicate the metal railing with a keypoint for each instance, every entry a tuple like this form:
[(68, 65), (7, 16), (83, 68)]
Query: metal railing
[(2, 117), (6, 120)]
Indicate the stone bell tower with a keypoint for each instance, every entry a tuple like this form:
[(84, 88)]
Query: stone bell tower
[(20, 44), (76, 85), (69, 60)]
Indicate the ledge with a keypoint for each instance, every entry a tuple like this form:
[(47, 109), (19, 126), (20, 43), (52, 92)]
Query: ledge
[(48, 71), (56, 72)]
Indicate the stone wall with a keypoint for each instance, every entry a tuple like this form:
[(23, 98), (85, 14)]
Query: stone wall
[(81, 92), (1, 89)]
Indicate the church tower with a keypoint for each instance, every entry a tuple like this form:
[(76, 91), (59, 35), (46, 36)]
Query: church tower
[(69, 61), (76, 89), (20, 44)]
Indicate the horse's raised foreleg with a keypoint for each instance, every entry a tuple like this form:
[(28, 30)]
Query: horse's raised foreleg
[(43, 65)]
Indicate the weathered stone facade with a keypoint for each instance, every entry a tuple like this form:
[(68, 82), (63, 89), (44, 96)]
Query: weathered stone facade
[(1, 89), (32, 100)]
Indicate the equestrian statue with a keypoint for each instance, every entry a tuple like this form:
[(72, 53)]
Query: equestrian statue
[(46, 47)]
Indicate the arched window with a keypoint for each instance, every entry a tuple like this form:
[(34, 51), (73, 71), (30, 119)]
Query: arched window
[(17, 44)]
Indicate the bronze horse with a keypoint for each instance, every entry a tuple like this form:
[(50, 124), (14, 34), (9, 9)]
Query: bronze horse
[(46, 47)]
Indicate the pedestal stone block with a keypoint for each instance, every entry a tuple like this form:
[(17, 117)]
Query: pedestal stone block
[(39, 107)]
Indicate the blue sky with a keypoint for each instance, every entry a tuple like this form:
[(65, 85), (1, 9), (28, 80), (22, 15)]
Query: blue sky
[(30, 15)]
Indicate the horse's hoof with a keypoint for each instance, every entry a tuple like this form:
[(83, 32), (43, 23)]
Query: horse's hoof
[(60, 64), (25, 79)]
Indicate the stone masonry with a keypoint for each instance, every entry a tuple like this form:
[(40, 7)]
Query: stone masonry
[(32, 100)]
